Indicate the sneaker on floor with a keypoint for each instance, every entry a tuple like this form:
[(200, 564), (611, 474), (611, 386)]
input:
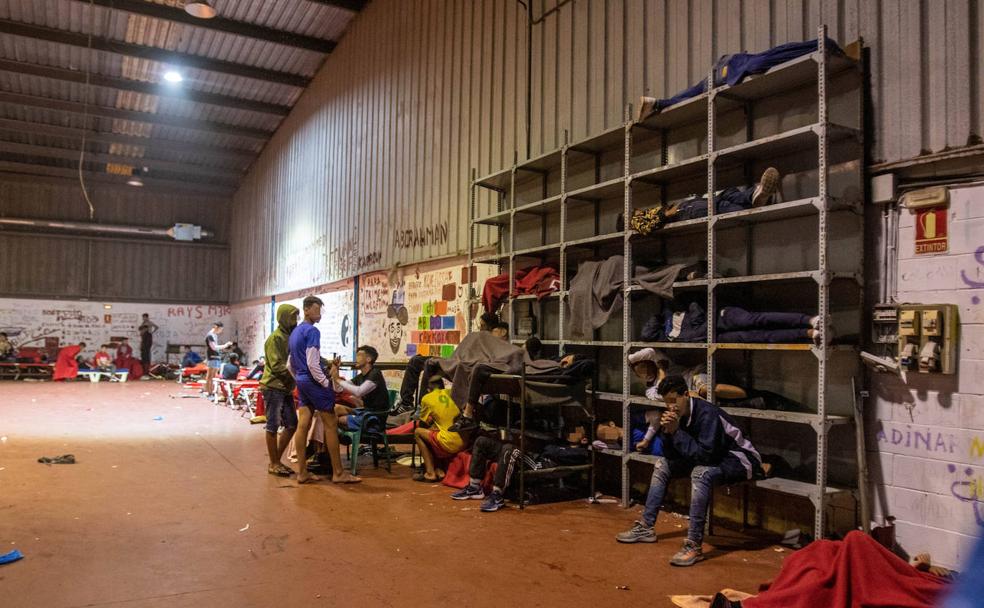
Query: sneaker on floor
[(688, 555), (638, 533), (494, 502), (469, 492), (766, 188)]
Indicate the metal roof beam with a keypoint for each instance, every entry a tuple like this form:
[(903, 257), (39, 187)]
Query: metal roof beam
[(20, 168), (146, 117), (147, 88), (135, 161), (219, 24), (173, 58), (151, 144), (350, 5)]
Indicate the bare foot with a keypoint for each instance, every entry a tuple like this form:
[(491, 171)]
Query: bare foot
[(309, 478), (346, 478)]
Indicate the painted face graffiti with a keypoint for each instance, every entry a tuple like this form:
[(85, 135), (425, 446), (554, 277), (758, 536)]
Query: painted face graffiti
[(394, 331), (969, 490)]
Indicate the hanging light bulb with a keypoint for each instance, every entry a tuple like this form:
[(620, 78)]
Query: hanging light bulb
[(200, 8), (173, 76)]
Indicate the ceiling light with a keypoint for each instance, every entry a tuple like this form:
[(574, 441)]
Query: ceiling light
[(173, 76), (135, 181), (200, 8)]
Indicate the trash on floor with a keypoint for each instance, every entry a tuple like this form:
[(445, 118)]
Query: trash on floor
[(158, 418), (13, 556), (243, 529), (63, 459)]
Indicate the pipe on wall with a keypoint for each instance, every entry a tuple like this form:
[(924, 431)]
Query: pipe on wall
[(115, 229)]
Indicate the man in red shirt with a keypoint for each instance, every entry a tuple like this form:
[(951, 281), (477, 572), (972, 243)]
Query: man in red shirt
[(102, 361)]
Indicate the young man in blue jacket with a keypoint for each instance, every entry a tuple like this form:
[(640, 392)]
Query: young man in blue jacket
[(701, 440)]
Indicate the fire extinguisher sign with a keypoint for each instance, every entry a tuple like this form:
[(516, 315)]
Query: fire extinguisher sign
[(931, 231)]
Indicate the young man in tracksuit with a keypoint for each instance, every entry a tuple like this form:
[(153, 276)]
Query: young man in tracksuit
[(701, 440), (317, 396), (277, 386)]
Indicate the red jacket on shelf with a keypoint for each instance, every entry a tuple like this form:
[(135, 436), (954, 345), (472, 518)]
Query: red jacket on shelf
[(535, 280)]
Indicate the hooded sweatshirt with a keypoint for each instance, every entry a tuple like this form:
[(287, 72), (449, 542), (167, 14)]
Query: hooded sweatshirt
[(275, 374)]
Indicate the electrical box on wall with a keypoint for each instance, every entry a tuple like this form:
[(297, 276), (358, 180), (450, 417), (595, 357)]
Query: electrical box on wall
[(927, 338)]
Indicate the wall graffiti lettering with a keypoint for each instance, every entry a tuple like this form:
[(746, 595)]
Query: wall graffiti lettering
[(969, 282), (436, 234), (929, 441)]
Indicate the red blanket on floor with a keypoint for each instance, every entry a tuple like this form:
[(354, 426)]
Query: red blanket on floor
[(851, 573)]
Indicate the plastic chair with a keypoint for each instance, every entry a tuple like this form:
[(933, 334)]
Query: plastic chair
[(372, 430)]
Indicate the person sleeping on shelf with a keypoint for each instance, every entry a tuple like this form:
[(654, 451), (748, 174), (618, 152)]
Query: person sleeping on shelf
[(766, 191), (701, 441), (734, 325)]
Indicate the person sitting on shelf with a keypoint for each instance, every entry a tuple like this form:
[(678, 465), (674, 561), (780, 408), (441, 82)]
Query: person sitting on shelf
[(485, 451), (257, 372), (703, 441), (652, 366), (190, 358), (230, 369), (102, 360), (766, 191), (6, 348), (434, 437), (734, 325)]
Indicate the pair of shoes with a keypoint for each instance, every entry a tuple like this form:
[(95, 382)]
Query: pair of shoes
[(63, 459), (493, 503), (280, 470), (463, 424), (638, 533), (688, 555), (469, 492), (768, 185)]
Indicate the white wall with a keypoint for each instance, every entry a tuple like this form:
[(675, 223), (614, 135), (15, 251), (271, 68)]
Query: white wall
[(927, 441), (73, 321)]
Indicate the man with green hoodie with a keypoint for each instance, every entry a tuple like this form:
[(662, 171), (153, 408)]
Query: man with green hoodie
[(277, 386)]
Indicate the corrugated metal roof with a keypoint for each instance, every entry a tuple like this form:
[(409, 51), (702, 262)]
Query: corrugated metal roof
[(308, 19)]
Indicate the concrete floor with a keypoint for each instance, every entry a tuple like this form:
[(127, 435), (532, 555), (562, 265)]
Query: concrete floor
[(152, 516)]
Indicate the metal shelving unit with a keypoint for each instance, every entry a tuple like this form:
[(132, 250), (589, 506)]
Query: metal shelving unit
[(549, 176)]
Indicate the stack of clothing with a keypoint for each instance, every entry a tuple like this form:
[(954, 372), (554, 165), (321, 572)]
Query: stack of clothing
[(539, 281)]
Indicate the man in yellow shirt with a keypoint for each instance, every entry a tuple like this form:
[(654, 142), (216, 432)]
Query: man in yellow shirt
[(434, 440)]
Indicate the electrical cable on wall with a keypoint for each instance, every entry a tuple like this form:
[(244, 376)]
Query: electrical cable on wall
[(85, 114)]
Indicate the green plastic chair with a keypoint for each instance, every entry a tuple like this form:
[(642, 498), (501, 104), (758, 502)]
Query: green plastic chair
[(371, 435)]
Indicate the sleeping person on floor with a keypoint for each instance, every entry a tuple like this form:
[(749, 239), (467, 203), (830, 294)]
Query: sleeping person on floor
[(700, 440)]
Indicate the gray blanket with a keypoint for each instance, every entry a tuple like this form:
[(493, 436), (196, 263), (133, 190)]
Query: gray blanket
[(596, 291)]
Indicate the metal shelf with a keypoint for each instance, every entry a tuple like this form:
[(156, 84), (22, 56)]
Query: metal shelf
[(688, 111), (543, 342), (610, 452), (530, 251), (545, 163), (787, 142), (695, 284), (696, 225), (500, 218), (691, 167), (593, 241), (598, 343), (541, 207), (778, 416), (613, 188), (500, 181), (793, 74), (563, 470), (608, 396), (647, 458), (662, 345), (796, 488), (804, 207), (607, 141), (525, 296)]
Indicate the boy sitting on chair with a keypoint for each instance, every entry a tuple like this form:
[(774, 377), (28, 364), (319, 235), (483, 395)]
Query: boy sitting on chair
[(368, 390), (701, 440)]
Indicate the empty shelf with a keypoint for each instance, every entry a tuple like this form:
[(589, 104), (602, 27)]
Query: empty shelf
[(612, 139), (795, 488), (541, 207), (787, 142), (593, 241), (661, 345), (500, 218), (605, 343), (796, 417), (613, 188), (691, 167), (545, 163), (500, 181)]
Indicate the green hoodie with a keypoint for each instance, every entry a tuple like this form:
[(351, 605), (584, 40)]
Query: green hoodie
[(275, 374)]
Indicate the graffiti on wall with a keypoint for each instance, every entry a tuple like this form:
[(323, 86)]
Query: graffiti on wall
[(421, 236), (416, 313)]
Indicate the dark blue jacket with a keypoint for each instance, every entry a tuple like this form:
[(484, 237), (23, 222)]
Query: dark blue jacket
[(709, 437)]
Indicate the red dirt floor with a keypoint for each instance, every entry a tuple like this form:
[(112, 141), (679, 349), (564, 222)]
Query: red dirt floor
[(151, 516)]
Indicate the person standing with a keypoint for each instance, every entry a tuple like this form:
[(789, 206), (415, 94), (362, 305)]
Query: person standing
[(316, 394), (213, 355), (146, 329), (277, 387)]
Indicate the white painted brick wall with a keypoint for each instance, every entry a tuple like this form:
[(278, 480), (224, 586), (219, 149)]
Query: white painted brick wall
[(926, 440)]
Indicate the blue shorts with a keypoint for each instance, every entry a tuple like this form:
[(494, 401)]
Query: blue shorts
[(214, 364), (354, 420), (314, 396), (280, 410)]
